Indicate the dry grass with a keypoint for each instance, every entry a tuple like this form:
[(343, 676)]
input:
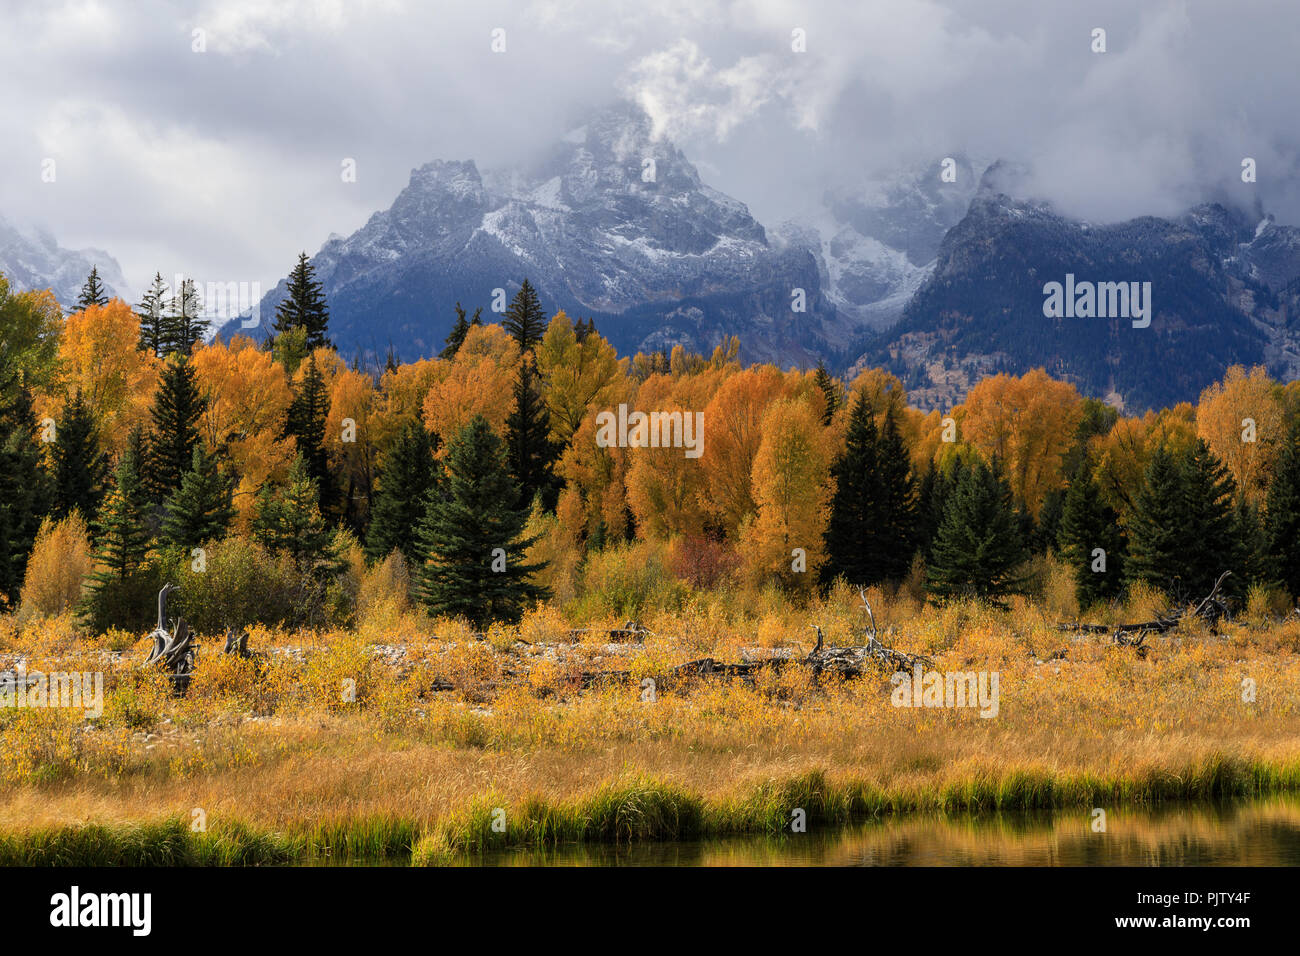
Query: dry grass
[(288, 753)]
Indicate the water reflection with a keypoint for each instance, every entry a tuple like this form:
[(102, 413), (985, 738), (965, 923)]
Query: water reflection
[(1259, 833)]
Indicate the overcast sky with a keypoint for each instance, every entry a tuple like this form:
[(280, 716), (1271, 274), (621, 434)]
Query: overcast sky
[(224, 164)]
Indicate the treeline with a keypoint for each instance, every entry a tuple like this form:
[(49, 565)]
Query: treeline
[(268, 479)]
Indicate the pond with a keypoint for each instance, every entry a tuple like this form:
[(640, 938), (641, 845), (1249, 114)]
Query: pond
[(1263, 832)]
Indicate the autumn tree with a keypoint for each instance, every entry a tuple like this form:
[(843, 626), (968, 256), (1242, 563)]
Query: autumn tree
[(791, 491), (303, 306), (474, 536), (733, 422), (30, 327), (577, 372), (478, 381), (1240, 420)]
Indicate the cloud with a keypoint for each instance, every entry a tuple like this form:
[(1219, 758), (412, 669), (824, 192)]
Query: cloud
[(227, 163)]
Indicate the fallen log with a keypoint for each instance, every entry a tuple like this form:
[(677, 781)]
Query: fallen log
[(1210, 609)]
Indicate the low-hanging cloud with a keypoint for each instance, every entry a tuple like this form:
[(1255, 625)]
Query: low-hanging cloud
[(224, 163)]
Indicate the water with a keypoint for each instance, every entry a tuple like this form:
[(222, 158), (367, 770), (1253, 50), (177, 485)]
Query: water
[(1264, 832)]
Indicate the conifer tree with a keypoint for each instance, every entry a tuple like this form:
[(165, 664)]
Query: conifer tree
[(26, 492), (456, 337), (473, 535), (92, 293), (525, 319), (306, 423), (1214, 547), (185, 323), (80, 468), (978, 546), (177, 408), (870, 535), (1086, 525), (1254, 564), (122, 583), (1283, 513), (288, 520), (830, 391), (304, 306), (199, 510), (530, 453), (1158, 533), (155, 332), (405, 482)]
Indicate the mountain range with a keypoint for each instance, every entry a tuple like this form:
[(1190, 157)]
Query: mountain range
[(33, 259), (938, 278)]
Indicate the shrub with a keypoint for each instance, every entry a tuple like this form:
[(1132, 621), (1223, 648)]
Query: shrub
[(60, 561)]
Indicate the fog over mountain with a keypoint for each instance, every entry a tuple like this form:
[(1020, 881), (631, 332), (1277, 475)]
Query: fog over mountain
[(232, 166)]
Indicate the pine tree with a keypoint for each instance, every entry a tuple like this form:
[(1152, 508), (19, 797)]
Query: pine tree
[(456, 337), (1158, 533), (155, 332), (525, 319), (1283, 513), (201, 509), (92, 293), (830, 390), (869, 537), (177, 407), (26, 492), (80, 468), (1087, 524), (306, 423), (1254, 564), (405, 482), (474, 536), (1210, 493), (288, 521), (122, 584), (978, 547), (530, 453), (184, 322), (304, 305)]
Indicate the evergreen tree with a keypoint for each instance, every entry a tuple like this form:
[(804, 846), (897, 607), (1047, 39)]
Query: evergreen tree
[(288, 521), (155, 331), (26, 493), (304, 305), (306, 423), (830, 390), (870, 535), (456, 338), (177, 407), (80, 468), (1210, 493), (1250, 536), (92, 293), (1283, 513), (1087, 524), (122, 584), (185, 323), (978, 547), (201, 509), (474, 536), (530, 453), (405, 482), (525, 319), (1182, 535)]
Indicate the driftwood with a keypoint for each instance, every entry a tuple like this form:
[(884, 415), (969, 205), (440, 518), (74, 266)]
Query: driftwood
[(1211, 609), (630, 633), (173, 649), (852, 661)]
